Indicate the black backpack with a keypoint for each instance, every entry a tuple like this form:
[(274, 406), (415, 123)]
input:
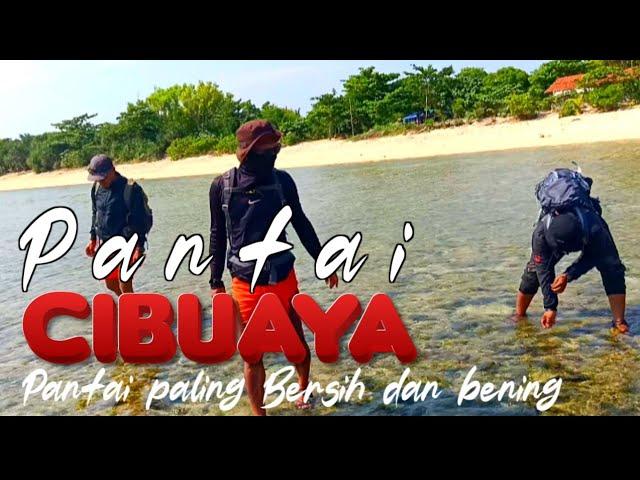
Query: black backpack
[(564, 189), (127, 194)]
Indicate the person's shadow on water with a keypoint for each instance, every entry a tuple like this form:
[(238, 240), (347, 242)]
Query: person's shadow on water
[(601, 318)]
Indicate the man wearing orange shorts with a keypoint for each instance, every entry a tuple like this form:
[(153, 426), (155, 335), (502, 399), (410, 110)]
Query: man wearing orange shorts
[(119, 208), (243, 203)]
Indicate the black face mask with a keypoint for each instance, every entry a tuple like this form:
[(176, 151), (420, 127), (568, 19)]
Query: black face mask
[(260, 164)]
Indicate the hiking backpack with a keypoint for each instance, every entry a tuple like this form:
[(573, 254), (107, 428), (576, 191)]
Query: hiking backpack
[(127, 194), (564, 189)]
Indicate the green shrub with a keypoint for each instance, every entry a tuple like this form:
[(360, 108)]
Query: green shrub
[(46, 153), (570, 107), (78, 158), (14, 154), (227, 144), (192, 146), (138, 149), (482, 110), (548, 103), (458, 108), (523, 106), (632, 90), (606, 98), (295, 131)]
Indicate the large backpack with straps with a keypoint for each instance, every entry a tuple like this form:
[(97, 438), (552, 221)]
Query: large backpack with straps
[(127, 195), (277, 266), (563, 190)]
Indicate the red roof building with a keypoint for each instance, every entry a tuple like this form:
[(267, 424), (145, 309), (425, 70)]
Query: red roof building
[(564, 85), (568, 84)]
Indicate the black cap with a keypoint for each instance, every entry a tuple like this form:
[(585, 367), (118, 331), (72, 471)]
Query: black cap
[(99, 167)]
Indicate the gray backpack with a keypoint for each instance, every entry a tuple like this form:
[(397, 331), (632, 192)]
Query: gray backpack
[(127, 194), (564, 189)]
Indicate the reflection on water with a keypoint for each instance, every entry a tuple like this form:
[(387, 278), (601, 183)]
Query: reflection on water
[(472, 216)]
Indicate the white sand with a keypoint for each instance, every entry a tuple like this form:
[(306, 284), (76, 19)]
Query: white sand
[(479, 137)]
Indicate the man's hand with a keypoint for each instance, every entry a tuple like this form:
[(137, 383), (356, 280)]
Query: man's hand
[(548, 319), (332, 281), (90, 249), (560, 283), (137, 253)]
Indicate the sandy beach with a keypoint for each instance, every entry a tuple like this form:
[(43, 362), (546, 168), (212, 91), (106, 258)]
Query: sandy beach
[(487, 135)]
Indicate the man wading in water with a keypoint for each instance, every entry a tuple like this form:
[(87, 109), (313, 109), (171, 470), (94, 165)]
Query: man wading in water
[(243, 203), (119, 208), (571, 221)]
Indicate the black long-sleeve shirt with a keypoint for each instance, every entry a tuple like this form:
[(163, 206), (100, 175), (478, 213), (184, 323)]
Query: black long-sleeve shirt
[(110, 216), (545, 260), (599, 251), (218, 231)]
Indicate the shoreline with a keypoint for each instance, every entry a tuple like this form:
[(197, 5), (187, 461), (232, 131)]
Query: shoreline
[(484, 136)]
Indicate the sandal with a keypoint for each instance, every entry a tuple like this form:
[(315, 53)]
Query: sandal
[(620, 325)]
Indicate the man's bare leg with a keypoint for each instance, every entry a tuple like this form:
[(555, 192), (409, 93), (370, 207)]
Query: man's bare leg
[(618, 306), (303, 369), (254, 378), (127, 287), (114, 286)]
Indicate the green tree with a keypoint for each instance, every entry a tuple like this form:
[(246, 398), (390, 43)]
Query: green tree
[(623, 63), (209, 110), (547, 73), (187, 110), (288, 121), (405, 98), (46, 152), (329, 116), (167, 104), (139, 121), (14, 154), (245, 111), (606, 98), (523, 106), (79, 136), (496, 90), (364, 94), (137, 135), (280, 117), (570, 108), (468, 89), (601, 74), (436, 87)]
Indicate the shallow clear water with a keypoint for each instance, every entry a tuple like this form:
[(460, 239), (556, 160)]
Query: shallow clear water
[(472, 216)]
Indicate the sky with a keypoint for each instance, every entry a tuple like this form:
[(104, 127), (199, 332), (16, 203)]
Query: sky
[(34, 94)]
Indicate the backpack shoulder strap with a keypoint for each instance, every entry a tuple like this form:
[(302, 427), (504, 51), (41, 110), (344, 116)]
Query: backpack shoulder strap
[(278, 187), (228, 185), (128, 192), (584, 225), (94, 189)]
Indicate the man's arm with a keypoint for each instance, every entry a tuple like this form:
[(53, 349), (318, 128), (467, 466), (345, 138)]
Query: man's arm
[(135, 222), (545, 261), (217, 234), (299, 220), (582, 265), (92, 232)]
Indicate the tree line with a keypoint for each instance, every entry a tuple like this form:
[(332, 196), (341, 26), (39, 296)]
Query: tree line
[(186, 120)]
